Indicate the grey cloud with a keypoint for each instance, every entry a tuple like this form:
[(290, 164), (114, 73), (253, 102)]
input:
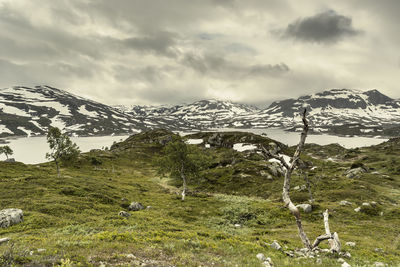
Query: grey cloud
[(161, 43), (40, 73), (222, 68), (325, 27)]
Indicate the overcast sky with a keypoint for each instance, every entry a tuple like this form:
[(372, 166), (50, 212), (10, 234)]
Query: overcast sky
[(174, 51)]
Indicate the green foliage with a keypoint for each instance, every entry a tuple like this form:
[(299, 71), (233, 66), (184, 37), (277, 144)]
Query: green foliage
[(179, 158), (6, 150), (62, 148)]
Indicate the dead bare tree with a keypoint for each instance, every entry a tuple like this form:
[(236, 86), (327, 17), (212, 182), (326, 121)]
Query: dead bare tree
[(333, 239)]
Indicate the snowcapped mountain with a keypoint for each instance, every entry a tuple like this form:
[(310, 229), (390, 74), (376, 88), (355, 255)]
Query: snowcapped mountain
[(203, 114), (344, 111), (30, 111)]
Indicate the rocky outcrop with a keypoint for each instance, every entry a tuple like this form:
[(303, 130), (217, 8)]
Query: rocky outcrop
[(9, 217), (356, 172), (136, 206)]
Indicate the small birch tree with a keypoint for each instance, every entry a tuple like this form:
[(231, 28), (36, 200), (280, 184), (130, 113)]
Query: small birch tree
[(63, 150), (6, 150), (181, 161)]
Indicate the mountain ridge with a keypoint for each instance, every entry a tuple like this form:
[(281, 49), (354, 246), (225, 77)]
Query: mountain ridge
[(31, 110)]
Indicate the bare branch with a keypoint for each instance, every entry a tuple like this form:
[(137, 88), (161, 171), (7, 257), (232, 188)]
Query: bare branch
[(267, 154), (286, 184)]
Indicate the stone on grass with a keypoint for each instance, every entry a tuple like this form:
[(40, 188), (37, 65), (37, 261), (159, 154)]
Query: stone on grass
[(124, 214), (345, 264), (345, 203), (355, 173), (351, 244), (267, 262), (10, 217), (261, 257), (307, 208), (379, 264), (275, 245), (4, 240), (136, 206), (357, 209)]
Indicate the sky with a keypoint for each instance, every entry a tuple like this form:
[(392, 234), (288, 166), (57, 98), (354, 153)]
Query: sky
[(178, 51)]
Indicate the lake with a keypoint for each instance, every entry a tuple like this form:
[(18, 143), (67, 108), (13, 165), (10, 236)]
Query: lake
[(32, 150)]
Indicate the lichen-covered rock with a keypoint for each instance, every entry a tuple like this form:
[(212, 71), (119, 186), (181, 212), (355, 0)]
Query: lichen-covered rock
[(10, 217), (136, 206), (355, 173)]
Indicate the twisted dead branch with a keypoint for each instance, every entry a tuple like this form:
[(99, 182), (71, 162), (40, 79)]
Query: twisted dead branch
[(333, 239)]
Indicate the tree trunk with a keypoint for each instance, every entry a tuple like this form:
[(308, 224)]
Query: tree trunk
[(58, 169), (184, 186)]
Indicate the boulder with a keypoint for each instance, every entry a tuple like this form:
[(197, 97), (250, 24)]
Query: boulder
[(124, 214), (357, 209), (351, 244), (10, 160), (10, 217), (275, 245), (267, 262), (273, 148), (276, 169), (345, 203), (307, 208), (135, 206), (355, 173)]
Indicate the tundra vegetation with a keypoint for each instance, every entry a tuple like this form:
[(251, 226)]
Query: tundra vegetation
[(233, 208)]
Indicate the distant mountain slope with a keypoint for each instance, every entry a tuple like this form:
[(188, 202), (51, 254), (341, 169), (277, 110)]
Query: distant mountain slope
[(30, 111), (365, 112), (203, 114)]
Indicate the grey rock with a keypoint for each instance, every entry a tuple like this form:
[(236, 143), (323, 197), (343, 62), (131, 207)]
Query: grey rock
[(357, 209), (4, 240), (300, 188), (276, 169), (124, 214), (345, 264), (347, 255), (345, 203), (273, 148), (275, 245), (10, 160), (135, 206), (351, 244), (378, 250), (355, 173), (10, 217), (366, 204), (261, 257), (341, 260), (307, 208)]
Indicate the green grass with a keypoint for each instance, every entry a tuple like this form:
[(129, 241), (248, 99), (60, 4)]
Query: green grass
[(75, 217)]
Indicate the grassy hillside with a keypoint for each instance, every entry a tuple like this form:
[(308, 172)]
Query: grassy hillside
[(234, 209)]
